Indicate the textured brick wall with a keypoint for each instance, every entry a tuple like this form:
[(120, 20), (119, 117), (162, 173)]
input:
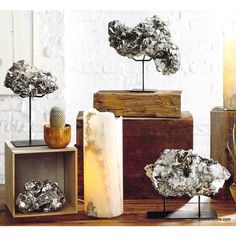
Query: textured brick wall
[(94, 65), (91, 65), (49, 55)]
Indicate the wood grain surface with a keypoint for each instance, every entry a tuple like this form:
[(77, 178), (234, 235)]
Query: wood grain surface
[(40, 163), (161, 103), (57, 137), (143, 140), (134, 215), (222, 122)]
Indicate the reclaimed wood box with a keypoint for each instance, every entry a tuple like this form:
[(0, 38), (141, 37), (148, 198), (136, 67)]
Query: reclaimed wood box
[(41, 163), (143, 140), (222, 122)]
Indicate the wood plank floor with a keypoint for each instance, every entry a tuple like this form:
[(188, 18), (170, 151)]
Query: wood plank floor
[(134, 214)]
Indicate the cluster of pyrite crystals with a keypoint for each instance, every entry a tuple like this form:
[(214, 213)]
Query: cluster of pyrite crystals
[(26, 80), (149, 38), (178, 172), (42, 196)]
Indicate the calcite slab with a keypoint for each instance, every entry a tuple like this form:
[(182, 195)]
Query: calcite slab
[(149, 38), (103, 164), (179, 172)]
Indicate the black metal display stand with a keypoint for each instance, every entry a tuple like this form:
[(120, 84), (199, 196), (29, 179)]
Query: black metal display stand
[(30, 142), (143, 60), (183, 214)]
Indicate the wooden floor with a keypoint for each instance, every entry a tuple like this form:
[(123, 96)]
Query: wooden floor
[(134, 214)]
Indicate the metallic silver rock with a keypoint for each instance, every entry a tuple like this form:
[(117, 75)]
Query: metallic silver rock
[(42, 196), (178, 172), (149, 38), (26, 80)]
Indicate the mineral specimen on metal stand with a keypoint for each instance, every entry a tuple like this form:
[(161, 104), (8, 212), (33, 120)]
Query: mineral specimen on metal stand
[(179, 172), (149, 38), (24, 80), (40, 196)]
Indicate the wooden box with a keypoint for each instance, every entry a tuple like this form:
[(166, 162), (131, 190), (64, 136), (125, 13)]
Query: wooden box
[(41, 163), (161, 103), (222, 122), (143, 140)]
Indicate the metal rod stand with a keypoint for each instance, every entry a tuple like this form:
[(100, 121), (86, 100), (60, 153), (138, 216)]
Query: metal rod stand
[(164, 207), (199, 206), (183, 214), (30, 137), (143, 61), (30, 142)]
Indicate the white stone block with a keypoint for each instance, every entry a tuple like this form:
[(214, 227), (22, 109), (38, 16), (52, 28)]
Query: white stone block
[(103, 164)]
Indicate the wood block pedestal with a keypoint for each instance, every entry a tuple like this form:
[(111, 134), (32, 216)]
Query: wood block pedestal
[(222, 122), (143, 141), (41, 163), (160, 103)]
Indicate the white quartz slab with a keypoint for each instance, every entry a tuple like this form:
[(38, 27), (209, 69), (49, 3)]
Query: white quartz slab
[(103, 164)]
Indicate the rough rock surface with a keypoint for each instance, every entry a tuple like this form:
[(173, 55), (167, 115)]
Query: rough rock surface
[(178, 172), (149, 38), (40, 196), (24, 80)]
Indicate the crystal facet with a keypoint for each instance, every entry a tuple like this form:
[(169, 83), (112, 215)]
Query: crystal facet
[(149, 38), (24, 80), (178, 172), (42, 196)]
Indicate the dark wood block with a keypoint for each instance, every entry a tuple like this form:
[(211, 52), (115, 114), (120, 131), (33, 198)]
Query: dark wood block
[(143, 140), (161, 103), (222, 122)]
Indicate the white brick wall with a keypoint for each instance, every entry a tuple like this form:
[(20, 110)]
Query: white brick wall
[(48, 55), (92, 65)]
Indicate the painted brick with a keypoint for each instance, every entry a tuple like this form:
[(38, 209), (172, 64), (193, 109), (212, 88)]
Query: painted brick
[(49, 55), (74, 47)]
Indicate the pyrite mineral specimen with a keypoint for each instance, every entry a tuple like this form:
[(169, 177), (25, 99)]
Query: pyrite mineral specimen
[(178, 172), (149, 38), (40, 196), (24, 80)]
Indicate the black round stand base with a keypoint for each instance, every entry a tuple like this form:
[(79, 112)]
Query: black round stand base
[(181, 214), (27, 143)]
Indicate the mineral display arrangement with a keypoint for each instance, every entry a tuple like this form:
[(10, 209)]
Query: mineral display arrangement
[(149, 38), (178, 172), (26, 80), (40, 196)]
